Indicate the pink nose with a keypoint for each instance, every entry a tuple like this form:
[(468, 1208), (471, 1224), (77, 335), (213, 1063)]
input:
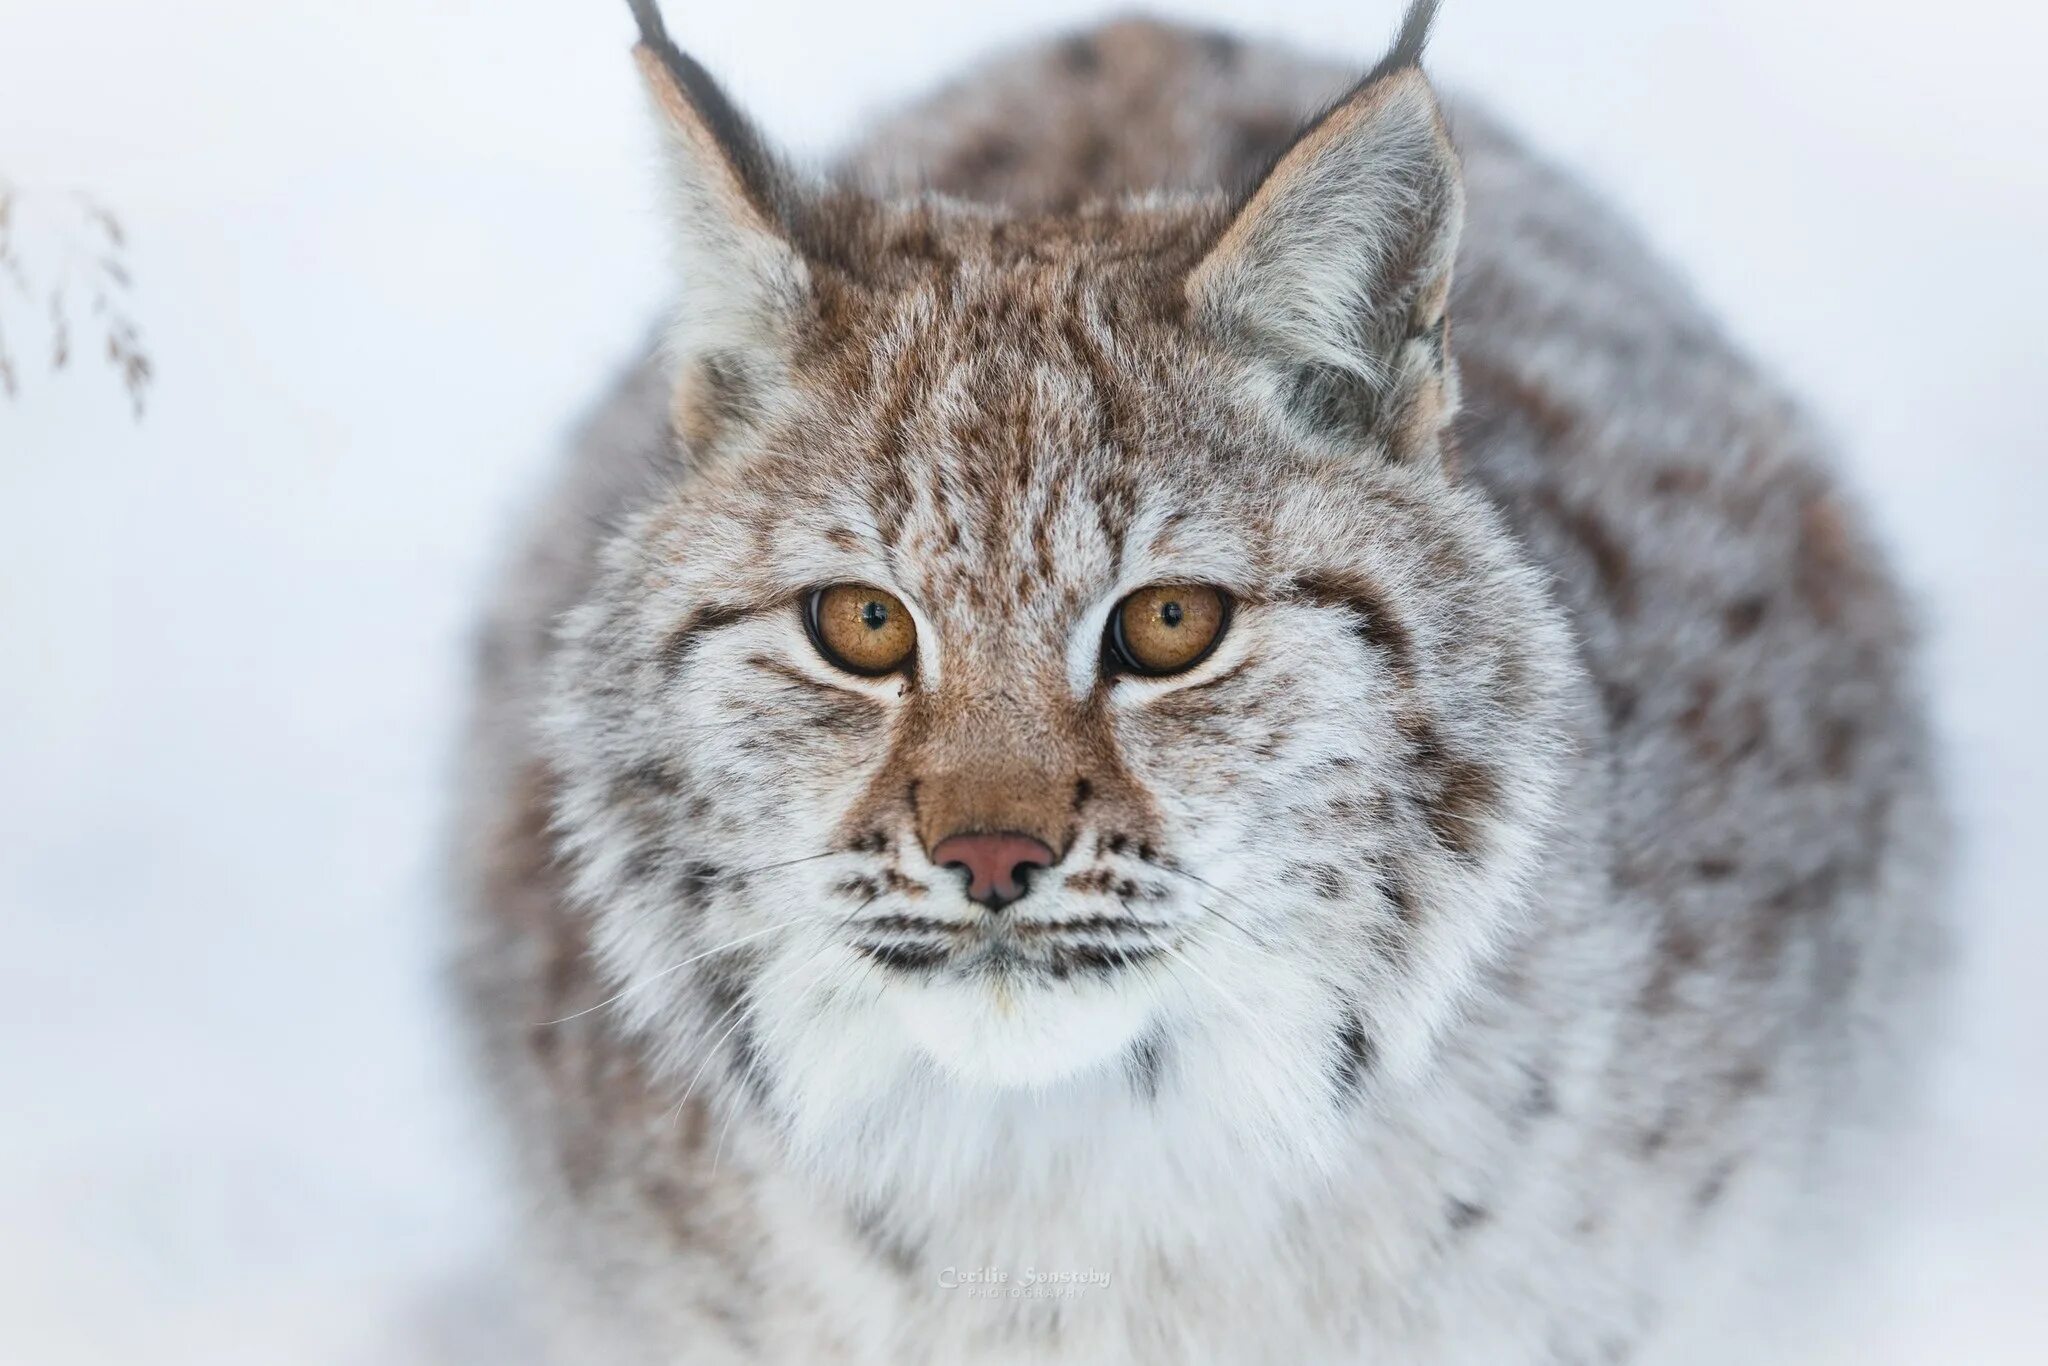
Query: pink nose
[(996, 864)]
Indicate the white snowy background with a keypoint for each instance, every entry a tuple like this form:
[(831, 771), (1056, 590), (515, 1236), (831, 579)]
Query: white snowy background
[(385, 249)]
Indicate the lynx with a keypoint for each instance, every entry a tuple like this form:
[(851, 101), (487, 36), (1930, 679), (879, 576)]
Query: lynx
[(1171, 728)]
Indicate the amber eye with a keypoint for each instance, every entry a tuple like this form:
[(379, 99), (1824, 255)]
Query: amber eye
[(861, 629), (1168, 627)]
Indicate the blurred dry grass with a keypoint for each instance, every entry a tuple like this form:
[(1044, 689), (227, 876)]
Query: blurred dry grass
[(85, 293)]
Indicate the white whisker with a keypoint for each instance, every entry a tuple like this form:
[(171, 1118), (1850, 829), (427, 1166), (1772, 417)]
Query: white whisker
[(1260, 1027), (733, 1110)]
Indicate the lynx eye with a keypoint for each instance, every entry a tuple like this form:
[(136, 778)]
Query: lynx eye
[(863, 630), (1168, 627)]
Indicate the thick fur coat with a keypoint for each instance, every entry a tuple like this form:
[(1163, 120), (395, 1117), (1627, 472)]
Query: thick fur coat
[(1498, 949)]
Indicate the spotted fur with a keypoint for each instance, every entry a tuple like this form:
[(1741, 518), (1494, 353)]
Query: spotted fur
[(1482, 957)]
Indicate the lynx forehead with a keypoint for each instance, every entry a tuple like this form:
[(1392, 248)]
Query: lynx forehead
[(1065, 723)]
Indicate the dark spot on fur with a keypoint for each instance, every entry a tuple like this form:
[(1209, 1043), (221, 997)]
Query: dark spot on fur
[(1620, 701), (980, 162), (642, 865), (902, 885), (1837, 743), (1714, 869), (1098, 960), (1466, 796), (1539, 1097), (1747, 1080), (685, 638), (1080, 57), (1351, 808), (1462, 1215), (1743, 616), (1425, 749), (696, 880), (1751, 732), (1693, 720), (1504, 393), (1713, 1186), (1328, 882), (725, 981), (918, 240), (1222, 49), (1610, 1351), (1333, 399), (1816, 891), (909, 924), (1144, 1066), (1083, 790), (720, 392), (1373, 619), (894, 1250), (1394, 889), (1455, 794), (1769, 927), (1678, 953), (1087, 924), (1657, 1137), (1603, 550), (905, 957), (1092, 880), (830, 708), (1356, 1058), (651, 778), (1673, 480)]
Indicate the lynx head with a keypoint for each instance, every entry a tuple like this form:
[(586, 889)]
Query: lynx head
[(1065, 662)]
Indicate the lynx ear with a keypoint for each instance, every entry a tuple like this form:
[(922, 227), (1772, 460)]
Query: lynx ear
[(744, 283), (1335, 270)]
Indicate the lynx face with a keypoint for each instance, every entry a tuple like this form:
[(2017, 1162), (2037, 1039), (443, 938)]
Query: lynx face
[(1065, 659)]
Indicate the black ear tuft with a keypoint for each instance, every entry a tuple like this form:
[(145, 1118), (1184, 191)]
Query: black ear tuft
[(1404, 55), (746, 287), (1407, 48), (758, 171), (653, 32)]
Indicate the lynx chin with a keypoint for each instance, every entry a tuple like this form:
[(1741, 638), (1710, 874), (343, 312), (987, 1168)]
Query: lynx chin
[(1190, 672)]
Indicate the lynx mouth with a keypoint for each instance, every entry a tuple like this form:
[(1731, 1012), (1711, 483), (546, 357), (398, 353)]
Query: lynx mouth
[(1001, 1013), (1091, 946)]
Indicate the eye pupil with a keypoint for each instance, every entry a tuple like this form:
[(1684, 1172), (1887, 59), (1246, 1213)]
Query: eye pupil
[(860, 628), (1167, 627)]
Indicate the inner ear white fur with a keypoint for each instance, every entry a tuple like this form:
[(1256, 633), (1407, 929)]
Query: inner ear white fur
[(743, 285)]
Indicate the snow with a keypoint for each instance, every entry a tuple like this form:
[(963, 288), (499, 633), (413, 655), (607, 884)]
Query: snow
[(385, 250)]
